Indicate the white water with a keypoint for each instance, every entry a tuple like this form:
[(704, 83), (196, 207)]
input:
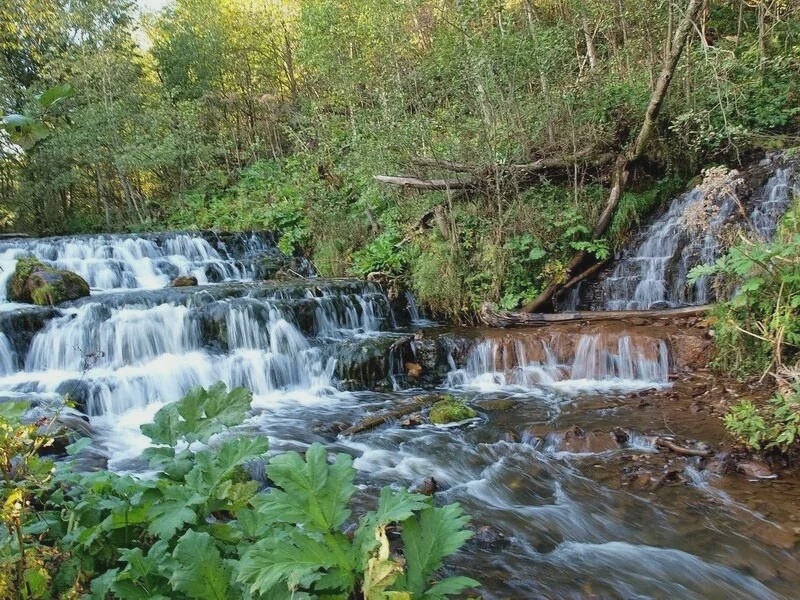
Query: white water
[(598, 363), (127, 353), (654, 274)]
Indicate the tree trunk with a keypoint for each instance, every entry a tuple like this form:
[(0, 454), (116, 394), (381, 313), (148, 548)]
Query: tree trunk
[(625, 162)]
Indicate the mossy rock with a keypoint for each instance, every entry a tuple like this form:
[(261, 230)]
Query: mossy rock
[(450, 410), (184, 281), (35, 283)]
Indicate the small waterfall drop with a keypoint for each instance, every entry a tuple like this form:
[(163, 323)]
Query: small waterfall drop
[(7, 356), (653, 274), (563, 361)]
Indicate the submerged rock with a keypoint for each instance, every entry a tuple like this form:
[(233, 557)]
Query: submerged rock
[(450, 410), (36, 283)]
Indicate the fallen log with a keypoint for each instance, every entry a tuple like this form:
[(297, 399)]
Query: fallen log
[(373, 421), (427, 184), (503, 318)]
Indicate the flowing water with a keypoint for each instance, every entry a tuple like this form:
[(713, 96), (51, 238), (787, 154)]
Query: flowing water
[(567, 524), (652, 273)]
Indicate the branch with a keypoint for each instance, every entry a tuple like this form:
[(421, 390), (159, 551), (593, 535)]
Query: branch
[(427, 184)]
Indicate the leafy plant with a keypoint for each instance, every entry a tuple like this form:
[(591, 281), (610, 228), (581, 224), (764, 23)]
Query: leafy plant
[(200, 529)]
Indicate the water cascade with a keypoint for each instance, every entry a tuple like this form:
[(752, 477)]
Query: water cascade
[(314, 352), (653, 272)]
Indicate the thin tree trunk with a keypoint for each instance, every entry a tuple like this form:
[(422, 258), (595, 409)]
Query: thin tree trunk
[(625, 162), (591, 51)]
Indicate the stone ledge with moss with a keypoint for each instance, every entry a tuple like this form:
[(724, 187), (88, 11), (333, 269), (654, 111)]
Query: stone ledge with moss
[(450, 410), (36, 283)]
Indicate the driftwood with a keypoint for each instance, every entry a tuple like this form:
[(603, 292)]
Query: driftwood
[(11, 236), (373, 421), (664, 443), (503, 318), (626, 162)]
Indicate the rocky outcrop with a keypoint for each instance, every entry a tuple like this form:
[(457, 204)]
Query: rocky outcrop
[(36, 283)]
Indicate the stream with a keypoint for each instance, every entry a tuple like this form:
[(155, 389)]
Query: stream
[(561, 507)]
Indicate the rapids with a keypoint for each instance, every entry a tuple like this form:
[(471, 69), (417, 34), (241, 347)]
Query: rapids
[(319, 353)]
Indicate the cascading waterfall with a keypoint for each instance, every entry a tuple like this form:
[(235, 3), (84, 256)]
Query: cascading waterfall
[(595, 359), (125, 351), (653, 274), (7, 356), (109, 262)]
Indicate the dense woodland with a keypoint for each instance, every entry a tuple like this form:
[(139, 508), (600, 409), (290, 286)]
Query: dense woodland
[(233, 114)]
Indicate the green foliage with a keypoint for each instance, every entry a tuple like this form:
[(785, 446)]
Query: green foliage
[(319, 560), (386, 253), (199, 528), (775, 425)]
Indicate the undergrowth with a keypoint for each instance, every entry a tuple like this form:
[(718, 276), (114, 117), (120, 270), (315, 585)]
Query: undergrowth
[(201, 528)]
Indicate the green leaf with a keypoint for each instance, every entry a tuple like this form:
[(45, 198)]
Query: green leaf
[(166, 426), (24, 131), (201, 572), (168, 517), (313, 492), (13, 411), (55, 94), (437, 532), (449, 586), (286, 561)]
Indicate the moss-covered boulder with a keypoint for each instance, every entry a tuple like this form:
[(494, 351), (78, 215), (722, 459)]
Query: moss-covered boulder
[(36, 283), (450, 410)]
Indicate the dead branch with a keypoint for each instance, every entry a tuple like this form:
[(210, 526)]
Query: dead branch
[(503, 318)]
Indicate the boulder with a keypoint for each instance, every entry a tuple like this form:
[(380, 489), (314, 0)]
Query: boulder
[(184, 281), (36, 283)]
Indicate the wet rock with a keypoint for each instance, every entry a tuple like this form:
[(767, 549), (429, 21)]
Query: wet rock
[(428, 487), (487, 537), (184, 281), (450, 410), (36, 283), (755, 469), (691, 351), (497, 404), (414, 420), (413, 369)]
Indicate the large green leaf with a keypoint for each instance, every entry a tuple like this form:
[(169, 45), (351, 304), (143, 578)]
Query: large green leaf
[(427, 538), (24, 131), (284, 562), (55, 94), (313, 492), (200, 571), (199, 414), (449, 586)]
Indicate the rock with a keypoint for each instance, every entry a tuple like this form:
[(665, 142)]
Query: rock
[(755, 469), (413, 369), (184, 281), (497, 404), (487, 537), (691, 352), (450, 410), (36, 283), (428, 487)]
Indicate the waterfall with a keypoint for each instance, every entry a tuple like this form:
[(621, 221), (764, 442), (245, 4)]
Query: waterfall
[(110, 262), (653, 274), (563, 361), (7, 355)]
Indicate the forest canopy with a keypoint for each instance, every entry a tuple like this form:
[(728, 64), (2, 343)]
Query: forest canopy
[(232, 114)]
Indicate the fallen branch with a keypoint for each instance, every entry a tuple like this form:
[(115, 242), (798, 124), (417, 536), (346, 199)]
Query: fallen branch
[(503, 318), (683, 450), (427, 184), (371, 422)]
